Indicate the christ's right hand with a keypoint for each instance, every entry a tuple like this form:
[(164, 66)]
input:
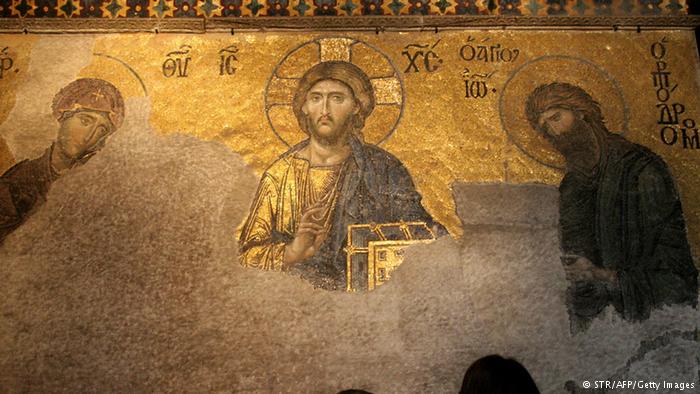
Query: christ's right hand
[(309, 236)]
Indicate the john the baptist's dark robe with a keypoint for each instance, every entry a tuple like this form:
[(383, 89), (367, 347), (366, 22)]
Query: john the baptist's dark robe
[(627, 217), (374, 187), (23, 188)]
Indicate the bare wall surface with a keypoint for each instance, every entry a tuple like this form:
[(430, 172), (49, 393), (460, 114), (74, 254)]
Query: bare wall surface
[(137, 289)]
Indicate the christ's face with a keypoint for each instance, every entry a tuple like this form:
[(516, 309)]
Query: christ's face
[(83, 133), (329, 107)]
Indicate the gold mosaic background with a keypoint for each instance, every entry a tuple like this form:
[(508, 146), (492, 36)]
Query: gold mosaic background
[(442, 136)]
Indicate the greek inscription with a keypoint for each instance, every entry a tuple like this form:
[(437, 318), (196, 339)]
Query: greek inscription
[(6, 62), (690, 139), (177, 62), (476, 84), (662, 82), (674, 128), (228, 60), (658, 50), (668, 114), (669, 135), (422, 57), (494, 53)]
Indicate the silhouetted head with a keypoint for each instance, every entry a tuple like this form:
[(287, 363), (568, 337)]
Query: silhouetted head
[(354, 391), (496, 375)]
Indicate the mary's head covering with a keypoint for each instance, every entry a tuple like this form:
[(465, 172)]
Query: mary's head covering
[(90, 94)]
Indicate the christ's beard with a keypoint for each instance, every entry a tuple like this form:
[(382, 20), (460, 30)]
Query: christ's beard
[(578, 145), (333, 139)]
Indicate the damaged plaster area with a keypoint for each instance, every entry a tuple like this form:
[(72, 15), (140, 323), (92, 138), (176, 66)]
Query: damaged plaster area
[(127, 280)]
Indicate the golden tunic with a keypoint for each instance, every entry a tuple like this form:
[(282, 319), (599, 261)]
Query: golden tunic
[(286, 190), (322, 188)]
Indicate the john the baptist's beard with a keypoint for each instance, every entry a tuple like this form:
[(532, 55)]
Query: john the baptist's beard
[(330, 139), (576, 143)]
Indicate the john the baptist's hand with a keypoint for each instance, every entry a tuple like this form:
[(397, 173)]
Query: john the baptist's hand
[(309, 236), (583, 269)]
